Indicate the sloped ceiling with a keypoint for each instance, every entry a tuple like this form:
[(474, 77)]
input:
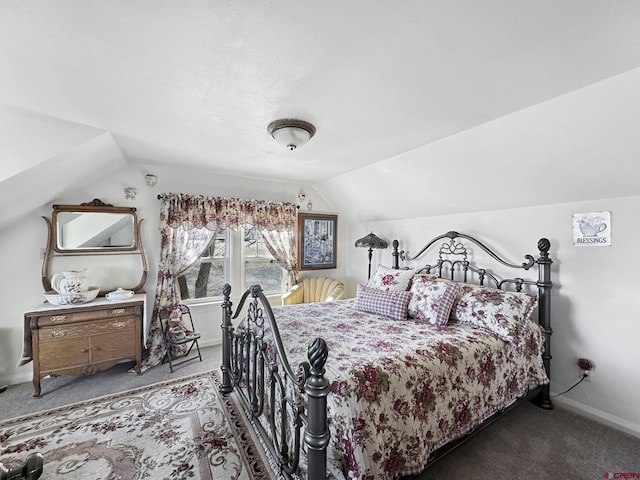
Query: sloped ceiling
[(36, 172), (387, 84)]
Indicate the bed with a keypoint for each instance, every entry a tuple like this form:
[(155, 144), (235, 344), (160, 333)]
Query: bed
[(380, 385)]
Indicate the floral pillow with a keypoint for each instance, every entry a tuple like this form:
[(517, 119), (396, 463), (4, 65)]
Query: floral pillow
[(390, 279), (387, 303), (431, 299), (504, 313)]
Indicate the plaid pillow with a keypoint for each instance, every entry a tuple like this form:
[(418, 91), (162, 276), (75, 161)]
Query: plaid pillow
[(390, 279), (387, 303), (431, 299)]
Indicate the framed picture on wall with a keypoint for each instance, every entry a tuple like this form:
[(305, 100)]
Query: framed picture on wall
[(317, 241)]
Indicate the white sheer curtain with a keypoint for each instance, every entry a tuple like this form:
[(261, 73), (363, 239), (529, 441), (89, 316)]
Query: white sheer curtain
[(188, 223), (282, 245)]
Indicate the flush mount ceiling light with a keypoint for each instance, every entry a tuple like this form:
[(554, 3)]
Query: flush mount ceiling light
[(291, 133)]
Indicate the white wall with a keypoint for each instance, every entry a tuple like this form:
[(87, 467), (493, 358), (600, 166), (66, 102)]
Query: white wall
[(593, 306), (22, 241), (594, 314)]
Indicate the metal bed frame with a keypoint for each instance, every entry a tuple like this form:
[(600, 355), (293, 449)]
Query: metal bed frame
[(294, 401)]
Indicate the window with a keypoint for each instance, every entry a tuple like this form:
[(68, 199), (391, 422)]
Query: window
[(260, 268), (239, 258), (206, 277)]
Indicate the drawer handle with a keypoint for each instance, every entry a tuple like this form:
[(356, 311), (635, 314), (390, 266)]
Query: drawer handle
[(58, 333), (84, 350), (118, 311), (58, 318), (119, 324)]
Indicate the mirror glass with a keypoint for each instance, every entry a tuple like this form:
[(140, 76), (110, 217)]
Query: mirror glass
[(94, 231)]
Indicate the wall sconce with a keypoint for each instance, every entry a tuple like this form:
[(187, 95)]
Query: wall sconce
[(371, 241), (130, 193), (301, 197), (290, 132), (150, 180)]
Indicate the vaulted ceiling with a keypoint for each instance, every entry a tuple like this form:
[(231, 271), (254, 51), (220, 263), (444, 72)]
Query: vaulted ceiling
[(195, 83)]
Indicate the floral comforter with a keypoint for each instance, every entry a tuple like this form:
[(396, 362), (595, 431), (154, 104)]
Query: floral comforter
[(401, 389)]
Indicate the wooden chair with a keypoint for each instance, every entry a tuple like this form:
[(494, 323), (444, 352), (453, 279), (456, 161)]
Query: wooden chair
[(180, 336)]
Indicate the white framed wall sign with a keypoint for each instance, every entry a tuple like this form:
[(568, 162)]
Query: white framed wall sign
[(592, 229)]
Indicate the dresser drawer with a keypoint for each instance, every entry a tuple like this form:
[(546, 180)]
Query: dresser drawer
[(83, 316), (65, 353), (61, 332), (121, 344)]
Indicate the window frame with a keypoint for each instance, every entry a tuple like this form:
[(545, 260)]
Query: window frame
[(234, 268)]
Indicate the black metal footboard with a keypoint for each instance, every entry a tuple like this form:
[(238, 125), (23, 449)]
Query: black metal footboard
[(287, 407)]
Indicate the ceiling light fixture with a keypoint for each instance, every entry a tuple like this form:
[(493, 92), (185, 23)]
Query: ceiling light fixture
[(290, 132)]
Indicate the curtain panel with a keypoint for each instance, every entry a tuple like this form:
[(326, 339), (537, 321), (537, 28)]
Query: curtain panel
[(187, 225)]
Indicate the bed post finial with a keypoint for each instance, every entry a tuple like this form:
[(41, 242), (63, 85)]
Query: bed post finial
[(395, 254), (544, 245), (317, 388), (227, 331)]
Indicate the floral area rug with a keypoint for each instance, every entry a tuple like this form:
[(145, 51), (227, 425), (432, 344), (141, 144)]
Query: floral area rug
[(179, 429)]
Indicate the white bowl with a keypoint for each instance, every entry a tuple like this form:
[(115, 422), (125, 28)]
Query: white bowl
[(119, 294), (71, 298)]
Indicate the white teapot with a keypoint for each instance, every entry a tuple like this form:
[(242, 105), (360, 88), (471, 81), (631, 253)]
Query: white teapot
[(72, 281)]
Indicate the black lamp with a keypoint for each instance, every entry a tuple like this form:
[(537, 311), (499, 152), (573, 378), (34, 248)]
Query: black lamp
[(371, 241)]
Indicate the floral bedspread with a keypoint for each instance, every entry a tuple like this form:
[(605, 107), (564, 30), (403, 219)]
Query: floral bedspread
[(401, 389)]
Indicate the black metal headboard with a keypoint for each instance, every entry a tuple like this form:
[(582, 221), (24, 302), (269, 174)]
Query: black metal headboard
[(452, 262)]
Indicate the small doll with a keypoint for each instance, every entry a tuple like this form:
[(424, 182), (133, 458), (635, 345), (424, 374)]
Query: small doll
[(177, 328)]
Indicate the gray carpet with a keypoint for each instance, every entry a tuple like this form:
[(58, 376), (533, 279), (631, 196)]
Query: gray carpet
[(64, 389), (528, 443)]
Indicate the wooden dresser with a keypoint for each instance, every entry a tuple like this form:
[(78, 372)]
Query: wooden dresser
[(84, 339)]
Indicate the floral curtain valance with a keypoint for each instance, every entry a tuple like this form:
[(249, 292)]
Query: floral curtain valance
[(199, 211)]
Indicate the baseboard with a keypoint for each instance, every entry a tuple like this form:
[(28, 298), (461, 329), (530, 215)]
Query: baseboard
[(16, 379), (599, 416), (210, 343)]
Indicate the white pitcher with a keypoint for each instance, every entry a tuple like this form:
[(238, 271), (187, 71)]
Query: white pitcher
[(72, 281)]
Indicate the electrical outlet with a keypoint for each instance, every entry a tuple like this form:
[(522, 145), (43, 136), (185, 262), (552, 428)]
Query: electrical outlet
[(586, 367)]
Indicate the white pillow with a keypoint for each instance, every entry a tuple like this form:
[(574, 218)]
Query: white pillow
[(391, 280)]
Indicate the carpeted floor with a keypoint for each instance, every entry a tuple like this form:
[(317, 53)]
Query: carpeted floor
[(179, 429), (63, 390), (527, 443)]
